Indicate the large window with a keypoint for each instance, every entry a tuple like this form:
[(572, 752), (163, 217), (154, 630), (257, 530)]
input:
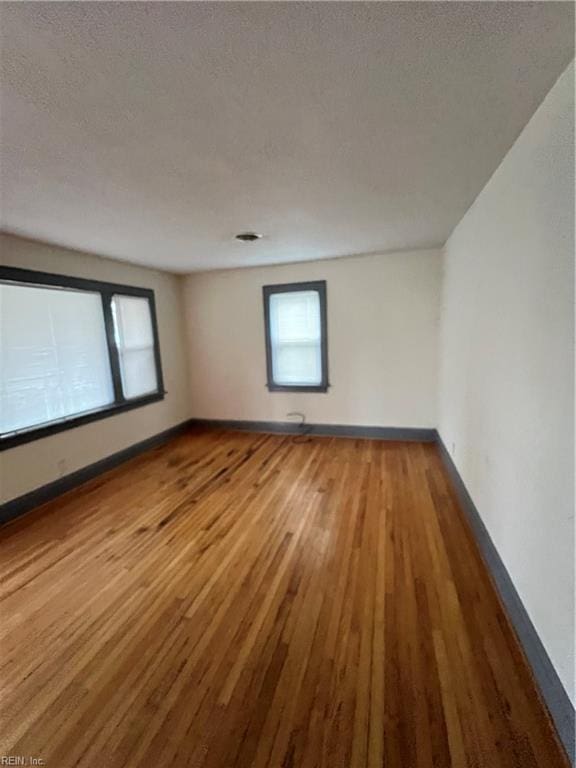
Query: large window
[(296, 338), (72, 351)]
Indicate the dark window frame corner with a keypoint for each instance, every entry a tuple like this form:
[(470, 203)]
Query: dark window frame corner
[(121, 404), (311, 285)]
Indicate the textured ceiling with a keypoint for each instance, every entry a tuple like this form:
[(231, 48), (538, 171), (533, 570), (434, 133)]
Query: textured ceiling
[(153, 132)]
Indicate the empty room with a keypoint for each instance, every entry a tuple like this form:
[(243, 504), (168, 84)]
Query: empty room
[(287, 368)]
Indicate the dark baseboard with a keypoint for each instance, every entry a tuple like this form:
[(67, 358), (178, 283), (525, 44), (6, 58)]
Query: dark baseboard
[(553, 692), (21, 505), (415, 434)]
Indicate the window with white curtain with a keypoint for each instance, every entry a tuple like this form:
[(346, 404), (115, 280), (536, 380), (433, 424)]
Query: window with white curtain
[(135, 342), (296, 338), (54, 356), (72, 351)]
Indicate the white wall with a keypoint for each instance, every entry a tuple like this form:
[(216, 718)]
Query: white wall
[(383, 317), (32, 465), (507, 366)]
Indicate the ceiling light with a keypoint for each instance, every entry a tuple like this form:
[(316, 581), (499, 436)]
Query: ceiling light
[(248, 237)]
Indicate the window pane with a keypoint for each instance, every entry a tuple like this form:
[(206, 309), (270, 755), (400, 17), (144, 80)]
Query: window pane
[(295, 335), (138, 369), (297, 364), (135, 341), (54, 356)]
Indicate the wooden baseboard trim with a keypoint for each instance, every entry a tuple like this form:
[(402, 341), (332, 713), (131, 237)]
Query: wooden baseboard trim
[(553, 692), (411, 434)]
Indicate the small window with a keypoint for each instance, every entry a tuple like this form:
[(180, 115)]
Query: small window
[(296, 337), (135, 342), (72, 351)]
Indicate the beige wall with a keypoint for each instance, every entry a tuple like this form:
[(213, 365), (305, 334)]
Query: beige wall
[(383, 316), (507, 371), (30, 466)]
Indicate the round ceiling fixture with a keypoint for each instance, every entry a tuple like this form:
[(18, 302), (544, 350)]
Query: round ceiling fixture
[(248, 237)]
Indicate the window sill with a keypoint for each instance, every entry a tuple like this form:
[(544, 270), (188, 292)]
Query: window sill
[(286, 388), (52, 428)]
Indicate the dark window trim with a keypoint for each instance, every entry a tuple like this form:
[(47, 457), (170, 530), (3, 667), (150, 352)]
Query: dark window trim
[(121, 404), (315, 285)]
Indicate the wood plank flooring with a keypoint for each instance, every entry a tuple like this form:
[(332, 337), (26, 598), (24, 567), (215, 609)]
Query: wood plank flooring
[(236, 599)]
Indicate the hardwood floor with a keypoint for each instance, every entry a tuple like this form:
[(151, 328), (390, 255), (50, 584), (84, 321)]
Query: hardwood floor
[(237, 599)]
